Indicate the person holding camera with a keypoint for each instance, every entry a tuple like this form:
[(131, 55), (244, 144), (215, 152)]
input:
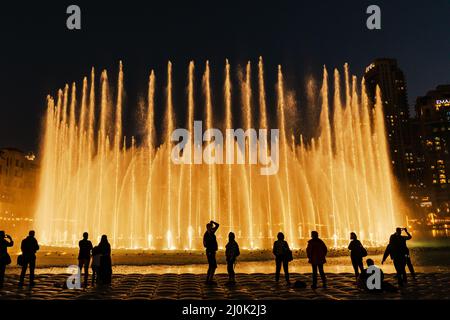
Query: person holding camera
[(5, 242), (398, 251)]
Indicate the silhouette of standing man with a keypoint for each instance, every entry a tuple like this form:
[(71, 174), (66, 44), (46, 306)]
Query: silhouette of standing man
[(29, 247), (281, 251), (398, 251), (84, 256), (316, 252), (210, 243)]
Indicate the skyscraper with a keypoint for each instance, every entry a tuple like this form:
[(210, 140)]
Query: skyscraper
[(433, 118), (387, 75)]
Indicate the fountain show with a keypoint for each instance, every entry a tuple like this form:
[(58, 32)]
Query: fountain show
[(224, 159)]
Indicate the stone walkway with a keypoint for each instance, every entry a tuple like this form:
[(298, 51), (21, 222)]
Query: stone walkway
[(250, 286)]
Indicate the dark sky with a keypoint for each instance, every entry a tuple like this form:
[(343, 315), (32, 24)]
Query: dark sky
[(38, 54)]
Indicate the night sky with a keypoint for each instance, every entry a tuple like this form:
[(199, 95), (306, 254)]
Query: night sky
[(38, 54)]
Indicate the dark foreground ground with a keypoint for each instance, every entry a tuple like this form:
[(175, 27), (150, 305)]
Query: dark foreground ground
[(255, 286)]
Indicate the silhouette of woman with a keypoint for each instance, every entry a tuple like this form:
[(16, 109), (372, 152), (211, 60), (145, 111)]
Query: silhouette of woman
[(105, 270), (357, 252), (231, 253)]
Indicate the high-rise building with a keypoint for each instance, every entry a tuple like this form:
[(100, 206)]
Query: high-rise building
[(433, 131), (387, 75)]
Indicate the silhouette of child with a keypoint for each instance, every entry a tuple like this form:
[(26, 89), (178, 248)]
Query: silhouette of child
[(95, 264), (231, 253)]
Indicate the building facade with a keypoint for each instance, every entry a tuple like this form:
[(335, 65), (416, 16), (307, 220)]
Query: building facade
[(386, 74), (433, 133), (18, 188)]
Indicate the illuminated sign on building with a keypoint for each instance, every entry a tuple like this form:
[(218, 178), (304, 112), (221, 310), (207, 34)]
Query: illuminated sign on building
[(370, 67), (442, 103)]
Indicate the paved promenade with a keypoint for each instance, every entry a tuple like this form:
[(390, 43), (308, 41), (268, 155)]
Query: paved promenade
[(250, 286)]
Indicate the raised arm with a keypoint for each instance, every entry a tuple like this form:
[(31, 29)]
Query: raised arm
[(11, 242), (215, 226), (409, 236)]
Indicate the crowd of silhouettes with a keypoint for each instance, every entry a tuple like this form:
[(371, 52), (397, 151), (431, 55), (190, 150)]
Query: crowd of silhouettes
[(99, 258), (396, 249)]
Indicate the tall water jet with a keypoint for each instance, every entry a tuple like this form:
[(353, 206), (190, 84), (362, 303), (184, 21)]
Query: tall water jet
[(249, 148), (169, 129), (229, 125), (190, 126), (117, 140), (264, 125), (150, 141), (209, 126), (287, 217)]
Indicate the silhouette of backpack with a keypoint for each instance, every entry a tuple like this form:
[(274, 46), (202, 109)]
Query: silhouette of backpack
[(289, 256), (363, 252), (300, 284), (20, 260)]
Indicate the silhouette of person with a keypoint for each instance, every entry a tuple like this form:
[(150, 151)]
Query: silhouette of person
[(398, 251), (356, 254), (29, 248), (364, 276), (84, 256), (95, 265), (210, 243), (316, 252), (231, 253), (105, 269), (5, 259), (281, 252), (362, 280)]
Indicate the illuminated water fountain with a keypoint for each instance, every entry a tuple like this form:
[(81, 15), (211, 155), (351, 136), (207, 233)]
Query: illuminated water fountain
[(95, 179)]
